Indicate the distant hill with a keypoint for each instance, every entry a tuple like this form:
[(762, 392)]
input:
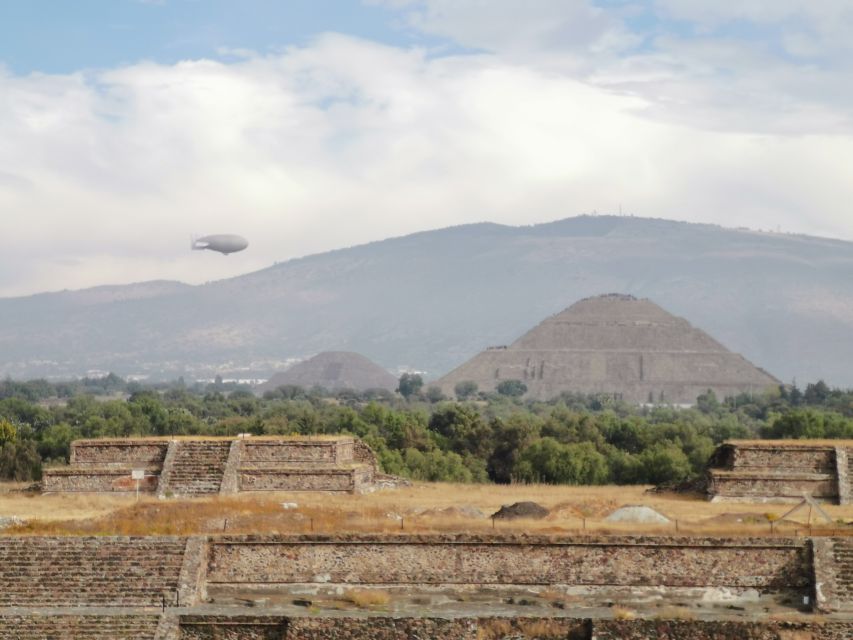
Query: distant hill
[(432, 300), (614, 344)]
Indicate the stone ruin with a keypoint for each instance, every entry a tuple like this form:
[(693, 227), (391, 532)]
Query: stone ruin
[(617, 345), (781, 471), (334, 370), (188, 466), (464, 587)]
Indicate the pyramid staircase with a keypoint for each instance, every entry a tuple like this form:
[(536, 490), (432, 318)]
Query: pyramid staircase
[(197, 467)]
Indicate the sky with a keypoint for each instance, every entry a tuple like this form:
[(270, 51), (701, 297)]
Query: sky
[(127, 126)]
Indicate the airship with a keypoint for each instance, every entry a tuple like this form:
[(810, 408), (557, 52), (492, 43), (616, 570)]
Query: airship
[(224, 243)]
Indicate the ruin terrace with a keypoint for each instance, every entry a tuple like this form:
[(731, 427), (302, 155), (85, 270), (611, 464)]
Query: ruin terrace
[(423, 561), (782, 471), (194, 466)]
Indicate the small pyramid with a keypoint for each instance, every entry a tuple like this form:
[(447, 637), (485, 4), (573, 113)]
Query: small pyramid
[(615, 344), (334, 370)]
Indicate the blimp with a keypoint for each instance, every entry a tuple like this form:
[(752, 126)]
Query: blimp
[(224, 243)]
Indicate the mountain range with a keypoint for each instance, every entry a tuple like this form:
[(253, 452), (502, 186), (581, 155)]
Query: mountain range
[(431, 300)]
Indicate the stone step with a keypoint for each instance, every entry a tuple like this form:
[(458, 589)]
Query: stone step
[(102, 627), (198, 467), (83, 571)]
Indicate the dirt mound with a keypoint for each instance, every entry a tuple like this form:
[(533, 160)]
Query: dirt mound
[(521, 510), (582, 509), (465, 511), (639, 513)]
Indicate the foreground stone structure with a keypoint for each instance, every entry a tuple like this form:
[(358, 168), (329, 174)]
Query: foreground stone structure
[(781, 471), (107, 587), (617, 345), (204, 466)]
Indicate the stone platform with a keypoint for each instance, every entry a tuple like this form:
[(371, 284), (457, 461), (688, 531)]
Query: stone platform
[(204, 466), (781, 471)]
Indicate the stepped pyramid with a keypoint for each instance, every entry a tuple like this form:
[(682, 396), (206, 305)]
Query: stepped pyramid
[(334, 370), (615, 344)]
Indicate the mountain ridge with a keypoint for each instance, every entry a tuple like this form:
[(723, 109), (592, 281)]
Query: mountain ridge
[(430, 300)]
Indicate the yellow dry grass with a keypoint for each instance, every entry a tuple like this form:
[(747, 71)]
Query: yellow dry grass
[(410, 510), (367, 597)]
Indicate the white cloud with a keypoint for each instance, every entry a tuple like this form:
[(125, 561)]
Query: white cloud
[(780, 66), (104, 176)]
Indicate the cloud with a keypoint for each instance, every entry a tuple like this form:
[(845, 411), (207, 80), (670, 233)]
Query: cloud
[(344, 141), (780, 66)]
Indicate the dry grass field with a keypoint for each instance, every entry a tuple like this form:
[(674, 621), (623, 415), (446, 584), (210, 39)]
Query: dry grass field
[(421, 508)]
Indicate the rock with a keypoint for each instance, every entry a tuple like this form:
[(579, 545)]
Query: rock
[(11, 521), (521, 510), (637, 513)]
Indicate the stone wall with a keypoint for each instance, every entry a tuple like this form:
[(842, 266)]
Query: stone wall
[(766, 564), (819, 459), (719, 630), (265, 452), (104, 466), (777, 487), (97, 480), (123, 452), (377, 627), (297, 480), (779, 471), (252, 464)]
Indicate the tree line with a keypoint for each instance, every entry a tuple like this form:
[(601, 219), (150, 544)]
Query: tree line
[(499, 437)]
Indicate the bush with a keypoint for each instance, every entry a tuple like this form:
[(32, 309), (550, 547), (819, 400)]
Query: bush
[(19, 461), (511, 388)]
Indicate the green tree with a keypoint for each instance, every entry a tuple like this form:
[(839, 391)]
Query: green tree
[(465, 389), (511, 388), (664, 463), (8, 432), (707, 402), (435, 394), (19, 461), (547, 460), (410, 385)]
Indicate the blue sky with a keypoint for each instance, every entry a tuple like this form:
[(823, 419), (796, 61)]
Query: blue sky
[(308, 125), (61, 36)]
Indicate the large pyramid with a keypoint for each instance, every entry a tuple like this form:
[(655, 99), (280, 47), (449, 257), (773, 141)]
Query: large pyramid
[(615, 344), (334, 370)]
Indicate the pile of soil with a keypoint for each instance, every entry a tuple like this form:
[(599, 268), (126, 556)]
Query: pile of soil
[(638, 513), (583, 509), (465, 511), (521, 510)]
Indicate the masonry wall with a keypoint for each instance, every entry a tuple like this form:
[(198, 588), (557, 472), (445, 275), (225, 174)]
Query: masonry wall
[(767, 564), (119, 452), (297, 480), (780, 470), (261, 464), (96, 480), (388, 628), (802, 459), (262, 452), (783, 486)]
